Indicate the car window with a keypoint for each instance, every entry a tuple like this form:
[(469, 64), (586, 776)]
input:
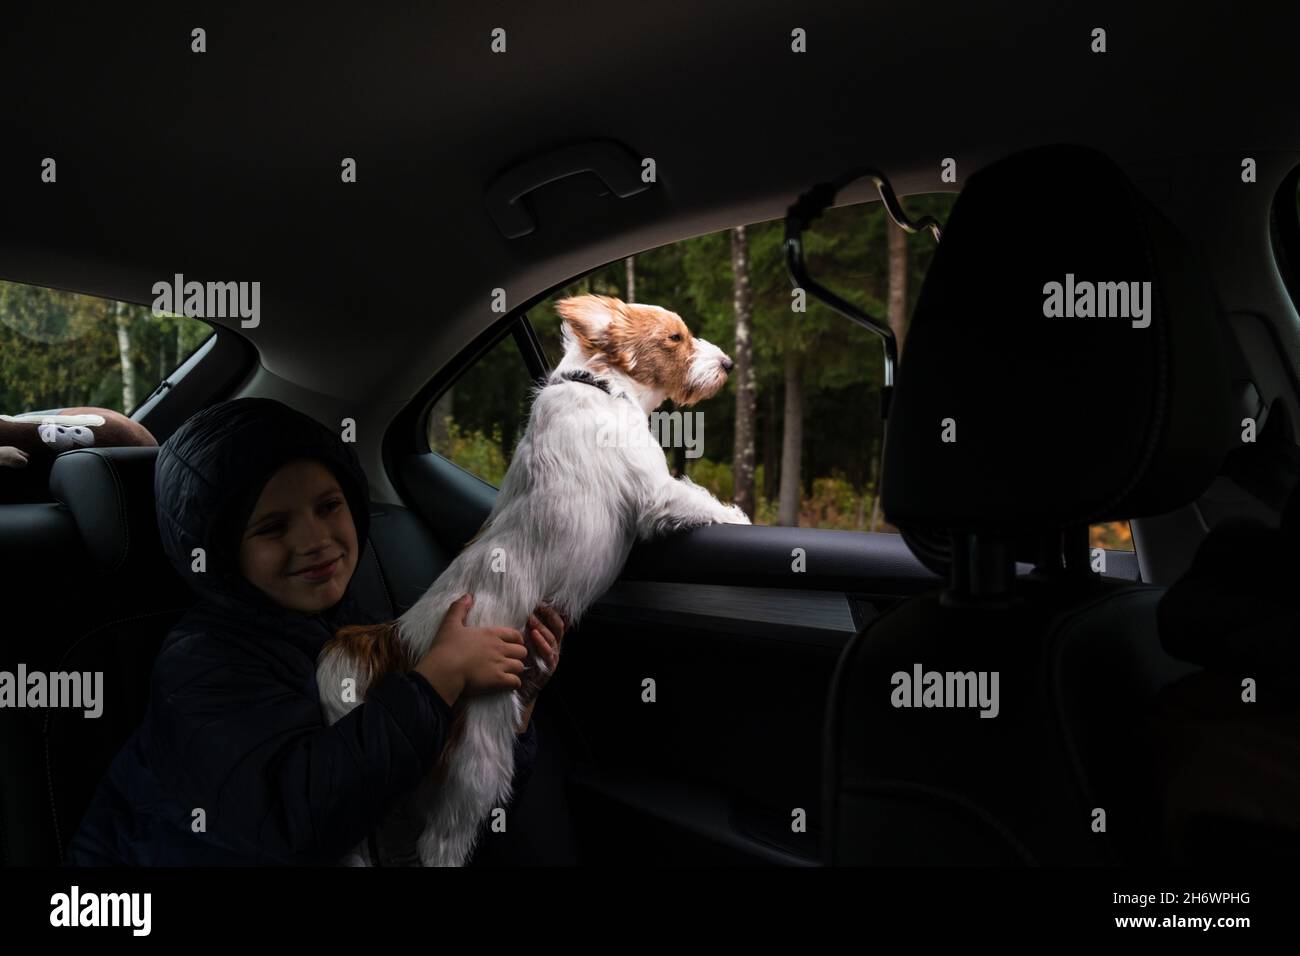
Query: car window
[(816, 376), (809, 444), (479, 418), (814, 370), (1113, 535), (63, 349)]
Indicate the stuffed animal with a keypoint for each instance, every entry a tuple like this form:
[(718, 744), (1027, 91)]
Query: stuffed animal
[(31, 442)]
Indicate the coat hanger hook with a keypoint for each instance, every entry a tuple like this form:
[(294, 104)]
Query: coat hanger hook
[(806, 209)]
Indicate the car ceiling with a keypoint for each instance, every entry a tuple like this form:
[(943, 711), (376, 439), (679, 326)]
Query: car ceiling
[(225, 165)]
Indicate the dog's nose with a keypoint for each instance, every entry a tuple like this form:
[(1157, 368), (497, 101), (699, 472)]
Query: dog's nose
[(727, 364)]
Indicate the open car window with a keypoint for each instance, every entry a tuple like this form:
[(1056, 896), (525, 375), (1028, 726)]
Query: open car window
[(805, 449), (476, 421)]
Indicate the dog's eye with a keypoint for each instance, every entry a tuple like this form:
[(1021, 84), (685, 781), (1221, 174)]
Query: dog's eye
[(675, 337)]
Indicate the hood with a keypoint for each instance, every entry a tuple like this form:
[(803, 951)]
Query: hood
[(212, 463)]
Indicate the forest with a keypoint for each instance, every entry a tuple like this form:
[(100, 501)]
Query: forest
[(62, 349)]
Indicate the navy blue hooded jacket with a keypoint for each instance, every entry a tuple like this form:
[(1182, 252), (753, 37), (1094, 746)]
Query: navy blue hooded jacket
[(234, 725)]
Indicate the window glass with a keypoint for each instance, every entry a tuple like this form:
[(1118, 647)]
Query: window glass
[(1114, 535), (477, 421), (63, 350), (816, 376)]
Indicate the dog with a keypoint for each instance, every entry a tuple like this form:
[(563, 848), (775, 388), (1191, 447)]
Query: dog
[(575, 498)]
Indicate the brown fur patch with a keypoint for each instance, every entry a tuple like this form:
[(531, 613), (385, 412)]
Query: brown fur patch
[(655, 348), (454, 736), (375, 648), (646, 343), (586, 316)]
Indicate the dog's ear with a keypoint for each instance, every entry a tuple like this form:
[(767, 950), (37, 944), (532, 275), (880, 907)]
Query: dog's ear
[(589, 317)]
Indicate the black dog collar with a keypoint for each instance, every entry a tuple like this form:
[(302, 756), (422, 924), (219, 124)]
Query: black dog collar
[(586, 378)]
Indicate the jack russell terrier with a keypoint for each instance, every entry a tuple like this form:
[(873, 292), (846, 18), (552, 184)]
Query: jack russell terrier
[(571, 506)]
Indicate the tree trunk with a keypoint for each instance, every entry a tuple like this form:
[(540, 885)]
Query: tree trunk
[(769, 447), (631, 279), (791, 442), (124, 356), (875, 485), (897, 282), (742, 458)]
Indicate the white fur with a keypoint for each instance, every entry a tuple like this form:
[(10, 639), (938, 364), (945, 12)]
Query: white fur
[(568, 512)]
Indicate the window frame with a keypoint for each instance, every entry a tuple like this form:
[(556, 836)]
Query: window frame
[(1284, 230), (525, 340), (530, 352), (408, 433)]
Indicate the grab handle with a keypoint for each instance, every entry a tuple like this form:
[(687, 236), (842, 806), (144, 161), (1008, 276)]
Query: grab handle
[(614, 165)]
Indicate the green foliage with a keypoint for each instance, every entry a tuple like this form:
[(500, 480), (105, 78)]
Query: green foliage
[(492, 397), (833, 503), (474, 451), (842, 362), (717, 476), (60, 349)]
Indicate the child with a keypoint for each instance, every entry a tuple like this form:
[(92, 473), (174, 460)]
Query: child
[(264, 511)]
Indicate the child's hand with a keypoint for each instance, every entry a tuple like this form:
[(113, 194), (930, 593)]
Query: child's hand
[(545, 630), (472, 660)]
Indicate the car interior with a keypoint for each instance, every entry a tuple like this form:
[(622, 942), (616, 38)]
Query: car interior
[(485, 181)]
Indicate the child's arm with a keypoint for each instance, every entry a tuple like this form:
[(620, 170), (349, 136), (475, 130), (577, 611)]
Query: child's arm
[(545, 629), (237, 731)]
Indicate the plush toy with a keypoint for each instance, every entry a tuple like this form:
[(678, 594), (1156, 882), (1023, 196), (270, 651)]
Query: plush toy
[(30, 442)]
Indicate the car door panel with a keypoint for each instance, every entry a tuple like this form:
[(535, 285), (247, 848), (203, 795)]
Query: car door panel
[(691, 700)]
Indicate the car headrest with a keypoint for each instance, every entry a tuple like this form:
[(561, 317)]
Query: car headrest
[(110, 494), (1064, 363)]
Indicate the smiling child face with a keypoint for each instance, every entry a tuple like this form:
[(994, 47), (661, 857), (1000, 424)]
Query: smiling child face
[(301, 521)]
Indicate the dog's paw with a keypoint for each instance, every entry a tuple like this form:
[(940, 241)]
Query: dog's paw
[(734, 515)]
